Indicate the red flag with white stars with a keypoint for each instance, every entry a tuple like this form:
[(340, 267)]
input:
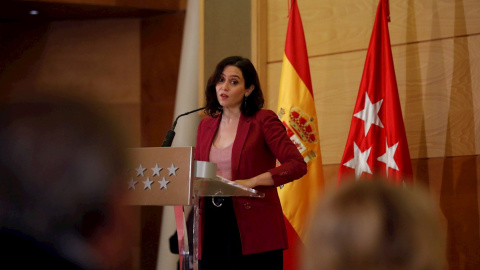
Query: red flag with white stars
[(377, 143)]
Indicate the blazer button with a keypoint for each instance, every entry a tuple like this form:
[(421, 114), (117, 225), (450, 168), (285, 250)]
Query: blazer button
[(247, 205)]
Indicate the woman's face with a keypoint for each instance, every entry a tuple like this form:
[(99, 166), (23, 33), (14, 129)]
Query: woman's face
[(231, 88)]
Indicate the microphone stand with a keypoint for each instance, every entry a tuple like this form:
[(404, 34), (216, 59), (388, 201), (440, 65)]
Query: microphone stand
[(184, 255), (167, 142)]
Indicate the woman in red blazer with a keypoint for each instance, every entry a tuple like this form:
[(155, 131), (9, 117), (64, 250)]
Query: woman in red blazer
[(245, 141)]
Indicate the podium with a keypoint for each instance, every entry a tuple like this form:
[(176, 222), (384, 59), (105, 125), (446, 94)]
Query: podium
[(170, 176)]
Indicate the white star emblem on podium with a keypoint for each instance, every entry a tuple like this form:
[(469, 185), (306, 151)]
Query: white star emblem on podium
[(147, 183), (163, 183), (140, 170), (131, 184), (172, 170), (156, 170)]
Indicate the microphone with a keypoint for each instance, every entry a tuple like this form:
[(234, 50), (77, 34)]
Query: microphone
[(167, 142)]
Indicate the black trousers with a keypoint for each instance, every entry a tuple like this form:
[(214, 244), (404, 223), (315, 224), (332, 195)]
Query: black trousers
[(270, 260), (222, 248)]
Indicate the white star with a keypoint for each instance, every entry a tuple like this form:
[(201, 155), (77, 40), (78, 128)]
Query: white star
[(156, 170), (172, 170), (140, 170), (369, 114), (163, 183), (359, 161), (131, 184), (387, 158), (147, 183)]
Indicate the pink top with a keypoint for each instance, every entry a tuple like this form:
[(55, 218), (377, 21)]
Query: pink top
[(223, 158)]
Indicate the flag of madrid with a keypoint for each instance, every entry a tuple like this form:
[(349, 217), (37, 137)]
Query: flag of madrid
[(377, 144)]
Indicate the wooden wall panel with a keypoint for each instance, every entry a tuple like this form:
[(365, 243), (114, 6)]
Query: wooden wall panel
[(102, 58), (344, 25), (127, 117), (474, 44), (143, 4), (259, 39), (96, 59), (161, 40), (438, 93)]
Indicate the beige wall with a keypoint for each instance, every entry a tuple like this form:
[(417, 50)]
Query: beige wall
[(225, 32)]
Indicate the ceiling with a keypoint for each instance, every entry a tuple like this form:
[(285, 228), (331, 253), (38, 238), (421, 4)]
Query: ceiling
[(34, 10)]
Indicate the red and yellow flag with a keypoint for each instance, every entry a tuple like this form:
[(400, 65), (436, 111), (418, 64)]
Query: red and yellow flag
[(296, 109)]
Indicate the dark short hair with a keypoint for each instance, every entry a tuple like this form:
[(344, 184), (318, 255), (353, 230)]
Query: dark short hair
[(254, 101)]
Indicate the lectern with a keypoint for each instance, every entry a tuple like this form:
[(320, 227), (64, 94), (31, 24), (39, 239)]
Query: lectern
[(170, 176)]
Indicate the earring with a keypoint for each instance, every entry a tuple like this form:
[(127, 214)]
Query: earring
[(245, 101)]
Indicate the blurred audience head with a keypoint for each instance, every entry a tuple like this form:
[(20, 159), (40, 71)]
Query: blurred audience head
[(61, 165), (373, 225)]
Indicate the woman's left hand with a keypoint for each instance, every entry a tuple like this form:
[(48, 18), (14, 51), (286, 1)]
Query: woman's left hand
[(264, 179), (246, 182)]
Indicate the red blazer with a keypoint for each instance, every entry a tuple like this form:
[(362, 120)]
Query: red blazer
[(261, 140)]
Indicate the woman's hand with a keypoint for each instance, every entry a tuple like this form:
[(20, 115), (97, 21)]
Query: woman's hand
[(264, 179), (246, 182)]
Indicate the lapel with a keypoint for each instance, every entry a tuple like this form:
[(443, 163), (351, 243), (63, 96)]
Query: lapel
[(242, 132)]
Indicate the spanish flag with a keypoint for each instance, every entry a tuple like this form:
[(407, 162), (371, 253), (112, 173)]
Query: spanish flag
[(296, 109)]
